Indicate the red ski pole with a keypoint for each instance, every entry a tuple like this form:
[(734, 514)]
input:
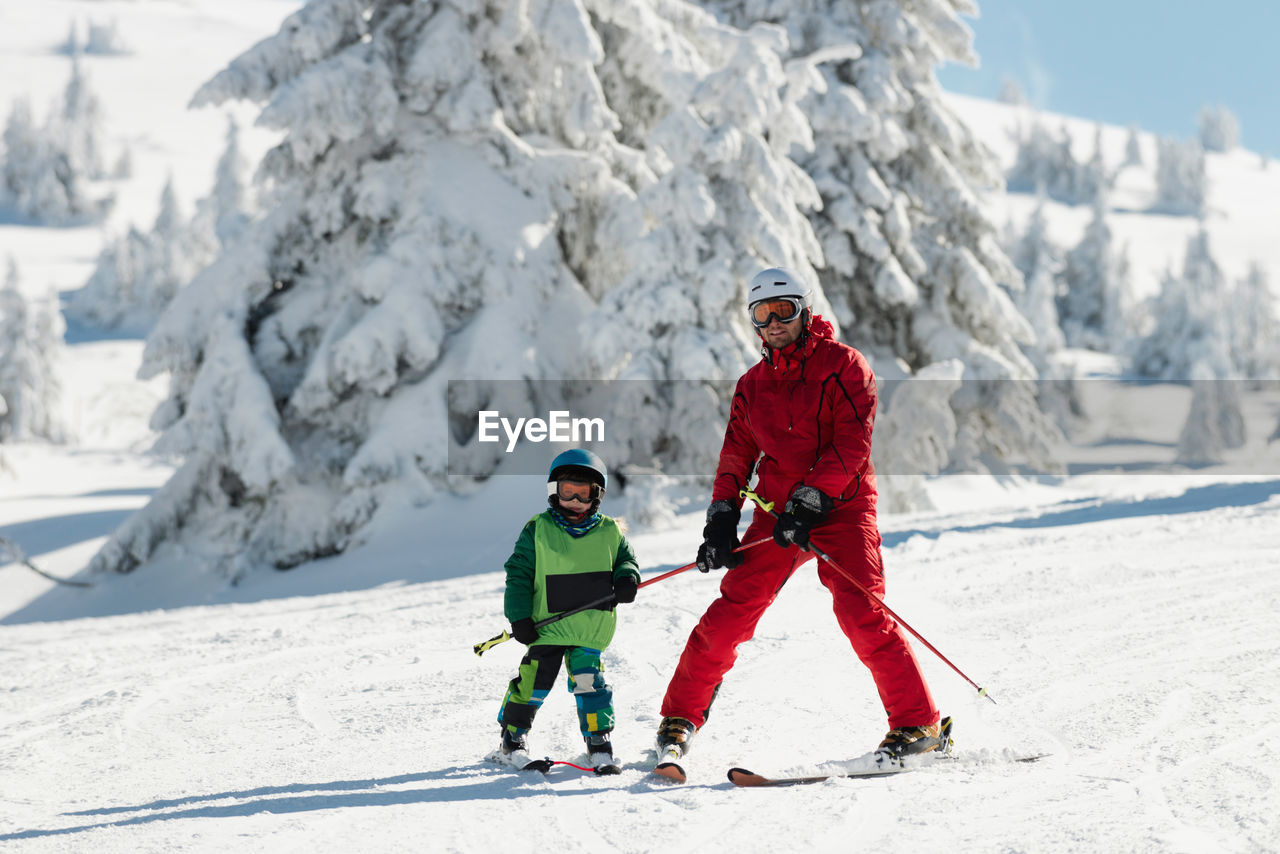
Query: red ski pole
[(767, 506), (484, 646), (689, 566)]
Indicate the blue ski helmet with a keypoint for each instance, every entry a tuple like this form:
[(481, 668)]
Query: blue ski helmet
[(581, 463)]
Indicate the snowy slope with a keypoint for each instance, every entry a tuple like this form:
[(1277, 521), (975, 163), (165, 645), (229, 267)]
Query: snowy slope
[(1125, 626), (1244, 196)]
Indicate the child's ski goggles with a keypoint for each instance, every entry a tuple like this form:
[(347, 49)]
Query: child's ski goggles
[(568, 490), (785, 309)]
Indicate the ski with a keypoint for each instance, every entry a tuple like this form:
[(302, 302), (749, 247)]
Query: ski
[(521, 761), (748, 779)]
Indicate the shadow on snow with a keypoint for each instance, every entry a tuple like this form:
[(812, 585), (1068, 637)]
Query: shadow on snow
[(501, 785)]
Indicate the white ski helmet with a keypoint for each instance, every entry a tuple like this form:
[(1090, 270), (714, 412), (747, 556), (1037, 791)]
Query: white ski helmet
[(778, 282)]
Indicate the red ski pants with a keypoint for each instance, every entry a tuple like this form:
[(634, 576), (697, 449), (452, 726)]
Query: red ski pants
[(852, 540)]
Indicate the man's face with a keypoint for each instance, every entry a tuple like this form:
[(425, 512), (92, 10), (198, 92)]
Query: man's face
[(779, 334)]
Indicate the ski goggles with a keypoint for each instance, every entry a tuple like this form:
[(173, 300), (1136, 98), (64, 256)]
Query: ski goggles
[(785, 309), (569, 490)]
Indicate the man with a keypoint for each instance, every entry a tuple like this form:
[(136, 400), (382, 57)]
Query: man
[(801, 418)]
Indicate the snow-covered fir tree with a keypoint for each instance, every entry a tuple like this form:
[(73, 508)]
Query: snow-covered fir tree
[(1093, 289), (912, 265), (723, 201), (71, 44), (1189, 320), (1094, 181), (1190, 342), (223, 214), (1039, 261), (75, 125), (1254, 327), (458, 183), (137, 275), (1045, 164), (30, 345), (1182, 184), (104, 39), (47, 168), (1214, 421), (1219, 128), (1132, 148), (1012, 93)]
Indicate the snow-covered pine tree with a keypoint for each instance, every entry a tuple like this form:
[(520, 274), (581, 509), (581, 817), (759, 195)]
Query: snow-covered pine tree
[(75, 125), (30, 344), (1182, 184), (1214, 421), (1094, 181), (222, 215), (1094, 287), (71, 44), (1254, 327), (1189, 320), (1132, 149), (22, 150), (722, 202), (913, 268), (1012, 93), (1037, 166), (103, 39), (46, 169), (1045, 164), (445, 204), (1219, 128), (1039, 261), (139, 274)]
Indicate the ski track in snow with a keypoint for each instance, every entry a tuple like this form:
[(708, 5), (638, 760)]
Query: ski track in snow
[(1138, 649)]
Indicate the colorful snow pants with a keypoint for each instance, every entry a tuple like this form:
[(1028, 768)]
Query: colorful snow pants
[(852, 540), (538, 671)]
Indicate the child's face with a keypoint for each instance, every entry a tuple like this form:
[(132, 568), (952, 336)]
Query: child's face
[(575, 496)]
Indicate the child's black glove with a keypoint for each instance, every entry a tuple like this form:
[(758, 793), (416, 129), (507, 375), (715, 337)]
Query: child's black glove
[(624, 590), (524, 631), (807, 507), (719, 538)]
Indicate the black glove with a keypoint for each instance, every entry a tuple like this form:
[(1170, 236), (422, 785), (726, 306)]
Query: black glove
[(524, 631), (807, 507), (719, 538), (624, 590)]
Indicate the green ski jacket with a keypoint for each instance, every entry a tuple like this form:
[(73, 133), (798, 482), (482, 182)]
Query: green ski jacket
[(551, 572)]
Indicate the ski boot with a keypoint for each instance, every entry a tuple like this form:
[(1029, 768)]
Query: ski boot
[(674, 735), (914, 740), (515, 752), (600, 754)]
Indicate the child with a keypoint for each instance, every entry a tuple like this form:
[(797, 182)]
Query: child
[(567, 556)]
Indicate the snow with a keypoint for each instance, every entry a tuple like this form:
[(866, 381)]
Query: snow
[(1124, 624)]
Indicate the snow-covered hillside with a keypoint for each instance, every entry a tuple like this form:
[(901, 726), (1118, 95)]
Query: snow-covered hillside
[(1243, 203)]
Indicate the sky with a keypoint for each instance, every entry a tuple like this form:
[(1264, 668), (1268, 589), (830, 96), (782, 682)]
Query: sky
[(1153, 63)]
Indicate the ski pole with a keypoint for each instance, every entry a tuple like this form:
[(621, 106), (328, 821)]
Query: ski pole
[(14, 552), (767, 506), (484, 646)]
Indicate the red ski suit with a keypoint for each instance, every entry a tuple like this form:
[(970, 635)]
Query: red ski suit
[(805, 413)]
